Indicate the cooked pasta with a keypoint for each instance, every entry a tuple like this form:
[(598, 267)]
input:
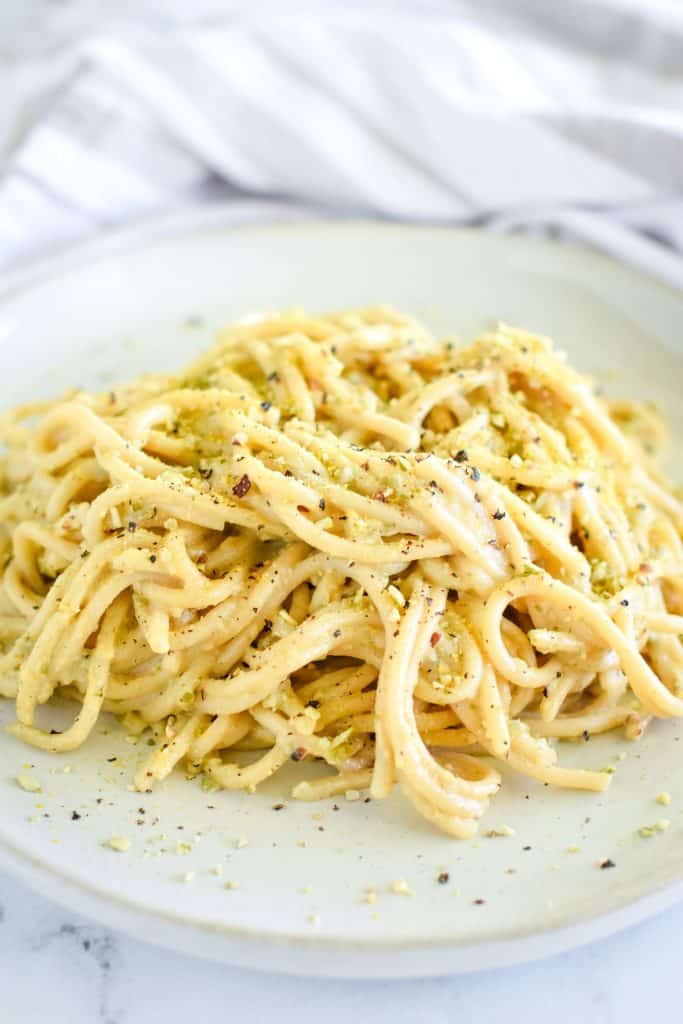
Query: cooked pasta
[(340, 540)]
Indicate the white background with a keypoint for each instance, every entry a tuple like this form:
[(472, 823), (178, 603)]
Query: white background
[(55, 967)]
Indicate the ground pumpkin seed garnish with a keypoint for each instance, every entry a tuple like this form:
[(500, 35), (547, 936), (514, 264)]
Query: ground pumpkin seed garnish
[(648, 831), (502, 832), (28, 783), (118, 843)]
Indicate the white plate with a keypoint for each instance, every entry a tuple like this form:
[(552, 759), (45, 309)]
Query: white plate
[(109, 316)]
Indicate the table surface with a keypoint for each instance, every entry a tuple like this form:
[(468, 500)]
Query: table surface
[(56, 966)]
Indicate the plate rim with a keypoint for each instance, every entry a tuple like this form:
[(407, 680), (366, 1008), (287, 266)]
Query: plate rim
[(258, 949), (317, 956), (278, 217)]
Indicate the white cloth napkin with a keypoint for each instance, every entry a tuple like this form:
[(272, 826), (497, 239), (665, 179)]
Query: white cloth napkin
[(521, 115)]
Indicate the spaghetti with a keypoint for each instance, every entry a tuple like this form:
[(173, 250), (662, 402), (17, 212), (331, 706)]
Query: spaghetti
[(338, 539)]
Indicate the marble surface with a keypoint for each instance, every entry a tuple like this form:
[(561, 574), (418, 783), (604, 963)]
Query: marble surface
[(59, 968)]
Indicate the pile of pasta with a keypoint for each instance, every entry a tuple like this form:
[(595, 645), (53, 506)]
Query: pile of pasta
[(338, 539)]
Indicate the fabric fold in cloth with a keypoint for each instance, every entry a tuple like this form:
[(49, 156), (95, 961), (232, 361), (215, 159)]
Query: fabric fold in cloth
[(454, 117)]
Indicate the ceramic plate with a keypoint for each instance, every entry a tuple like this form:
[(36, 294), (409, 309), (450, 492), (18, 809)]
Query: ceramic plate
[(301, 872)]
